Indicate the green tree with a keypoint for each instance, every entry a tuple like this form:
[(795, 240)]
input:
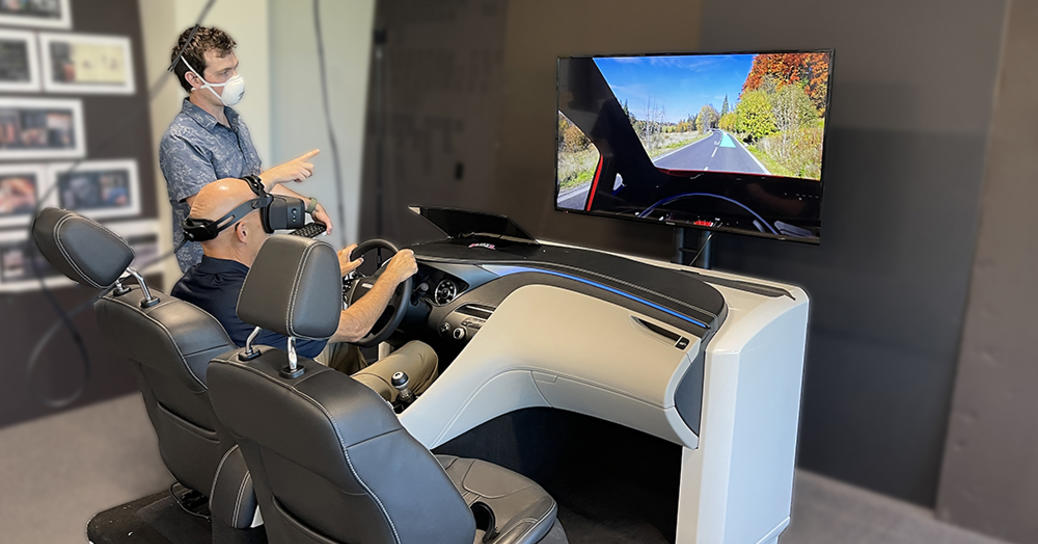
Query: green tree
[(727, 122), (724, 106), (792, 108), (755, 115), (707, 118)]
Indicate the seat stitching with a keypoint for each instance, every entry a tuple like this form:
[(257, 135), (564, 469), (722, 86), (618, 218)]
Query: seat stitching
[(219, 467), (171, 339), (241, 491), (338, 436), (289, 322), (539, 521)]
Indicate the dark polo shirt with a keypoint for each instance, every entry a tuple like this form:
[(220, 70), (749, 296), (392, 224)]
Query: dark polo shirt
[(213, 285)]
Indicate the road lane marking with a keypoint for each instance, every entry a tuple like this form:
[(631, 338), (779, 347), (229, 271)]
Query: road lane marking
[(669, 153), (714, 153), (726, 141)]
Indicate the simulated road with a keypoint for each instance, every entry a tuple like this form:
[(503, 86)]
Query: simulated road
[(718, 152)]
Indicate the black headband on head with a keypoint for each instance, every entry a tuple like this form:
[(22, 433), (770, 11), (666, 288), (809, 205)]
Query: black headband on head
[(276, 212)]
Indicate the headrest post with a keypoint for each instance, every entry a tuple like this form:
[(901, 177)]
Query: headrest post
[(292, 371), (149, 299), (120, 289), (250, 352)]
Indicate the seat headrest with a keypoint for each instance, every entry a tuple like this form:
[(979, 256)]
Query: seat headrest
[(81, 248), (294, 288)]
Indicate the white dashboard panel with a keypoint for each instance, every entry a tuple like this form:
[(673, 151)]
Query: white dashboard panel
[(588, 355)]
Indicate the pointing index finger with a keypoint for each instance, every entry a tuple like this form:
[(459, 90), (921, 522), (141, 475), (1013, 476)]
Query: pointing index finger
[(308, 155)]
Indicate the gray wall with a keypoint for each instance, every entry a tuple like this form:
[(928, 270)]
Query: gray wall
[(297, 115), (911, 104), (990, 476), (910, 110)]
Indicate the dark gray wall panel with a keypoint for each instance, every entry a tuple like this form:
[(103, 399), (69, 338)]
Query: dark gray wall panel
[(989, 481), (911, 104)]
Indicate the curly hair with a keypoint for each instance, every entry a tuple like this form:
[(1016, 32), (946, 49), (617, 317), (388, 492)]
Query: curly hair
[(206, 38)]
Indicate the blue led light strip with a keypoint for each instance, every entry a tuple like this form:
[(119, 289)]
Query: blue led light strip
[(508, 270)]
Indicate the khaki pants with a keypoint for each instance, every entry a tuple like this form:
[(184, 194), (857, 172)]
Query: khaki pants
[(415, 358)]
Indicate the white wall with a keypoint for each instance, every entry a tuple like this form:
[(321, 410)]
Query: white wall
[(297, 114), (245, 20)]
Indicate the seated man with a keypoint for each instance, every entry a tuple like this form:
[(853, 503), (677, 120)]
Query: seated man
[(214, 284)]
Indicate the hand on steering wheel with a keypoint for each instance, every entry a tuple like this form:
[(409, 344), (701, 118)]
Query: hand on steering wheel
[(360, 284)]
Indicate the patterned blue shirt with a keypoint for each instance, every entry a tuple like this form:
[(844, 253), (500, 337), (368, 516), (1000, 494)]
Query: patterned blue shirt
[(196, 150)]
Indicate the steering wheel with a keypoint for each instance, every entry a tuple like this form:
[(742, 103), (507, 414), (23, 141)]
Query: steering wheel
[(360, 284)]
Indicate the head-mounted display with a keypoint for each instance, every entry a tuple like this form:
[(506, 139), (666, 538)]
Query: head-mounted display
[(277, 212)]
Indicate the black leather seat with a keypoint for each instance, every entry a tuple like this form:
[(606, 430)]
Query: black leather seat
[(329, 459), (167, 341)]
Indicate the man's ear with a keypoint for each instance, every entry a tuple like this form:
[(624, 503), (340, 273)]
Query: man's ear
[(241, 233), (193, 80)]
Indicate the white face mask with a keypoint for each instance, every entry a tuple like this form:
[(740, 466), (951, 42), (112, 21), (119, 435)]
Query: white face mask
[(233, 88)]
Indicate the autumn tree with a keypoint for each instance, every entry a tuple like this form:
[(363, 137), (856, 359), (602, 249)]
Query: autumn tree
[(809, 70), (571, 138), (755, 115)]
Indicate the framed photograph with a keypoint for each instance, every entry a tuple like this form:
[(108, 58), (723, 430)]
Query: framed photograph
[(34, 128), (19, 69), (143, 237), (20, 188), (21, 264), (86, 63), (37, 13), (97, 189)]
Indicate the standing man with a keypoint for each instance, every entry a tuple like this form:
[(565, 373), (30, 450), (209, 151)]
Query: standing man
[(208, 140)]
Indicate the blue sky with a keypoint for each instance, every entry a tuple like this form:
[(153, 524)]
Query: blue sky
[(682, 84)]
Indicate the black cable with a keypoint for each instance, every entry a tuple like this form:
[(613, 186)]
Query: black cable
[(65, 317), (702, 247), (328, 119)]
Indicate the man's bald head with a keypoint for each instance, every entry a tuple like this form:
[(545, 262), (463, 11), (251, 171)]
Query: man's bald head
[(219, 197), (241, 241)]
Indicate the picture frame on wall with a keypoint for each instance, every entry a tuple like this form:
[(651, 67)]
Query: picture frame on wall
[(97, 189), (36, 13), (19, 61), (21, 266), (21, 186), (87, 63), (41, 128)]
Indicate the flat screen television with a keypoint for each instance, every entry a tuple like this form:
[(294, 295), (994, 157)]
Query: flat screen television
[(731, 142)]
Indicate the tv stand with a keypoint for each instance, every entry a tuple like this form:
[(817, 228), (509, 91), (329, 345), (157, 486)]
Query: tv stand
[(698, 252)]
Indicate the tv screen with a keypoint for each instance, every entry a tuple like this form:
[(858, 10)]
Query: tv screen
[(729, 142)]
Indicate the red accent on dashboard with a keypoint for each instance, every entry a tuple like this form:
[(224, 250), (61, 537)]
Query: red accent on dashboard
[(703, 223), (594, 186)]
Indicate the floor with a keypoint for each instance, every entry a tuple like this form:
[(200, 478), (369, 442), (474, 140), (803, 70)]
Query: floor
[(58, 471)]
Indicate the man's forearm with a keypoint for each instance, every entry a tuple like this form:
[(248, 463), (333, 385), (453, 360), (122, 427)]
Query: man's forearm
[(356, 321), (280, 189)]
